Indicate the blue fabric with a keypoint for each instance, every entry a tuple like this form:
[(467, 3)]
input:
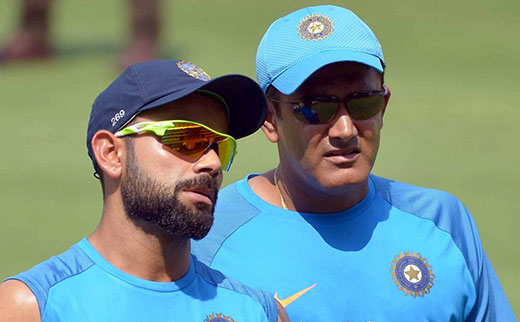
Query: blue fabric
[(289, 52), (80, 285), (402, 254)]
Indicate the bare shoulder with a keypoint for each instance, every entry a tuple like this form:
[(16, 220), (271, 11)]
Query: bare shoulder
[(282, 315), (18, 303)]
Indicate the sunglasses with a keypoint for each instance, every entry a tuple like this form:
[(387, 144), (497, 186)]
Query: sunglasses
[(188, 138), (323, 109)]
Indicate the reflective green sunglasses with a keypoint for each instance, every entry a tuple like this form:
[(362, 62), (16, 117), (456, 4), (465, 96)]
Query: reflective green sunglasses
[(323, 109), (189, 138)]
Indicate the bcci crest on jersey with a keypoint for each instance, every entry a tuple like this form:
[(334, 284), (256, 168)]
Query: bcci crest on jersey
[(214, 317), (412, 274)]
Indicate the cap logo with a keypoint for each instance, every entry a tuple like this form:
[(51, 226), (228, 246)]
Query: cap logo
[(315, 27), (193, 70)]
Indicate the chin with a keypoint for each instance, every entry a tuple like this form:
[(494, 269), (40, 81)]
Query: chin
[(345, 179), (202, 206)]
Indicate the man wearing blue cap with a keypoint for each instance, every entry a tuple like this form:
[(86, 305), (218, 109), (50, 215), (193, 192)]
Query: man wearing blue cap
[(158, 138), (335, 242)]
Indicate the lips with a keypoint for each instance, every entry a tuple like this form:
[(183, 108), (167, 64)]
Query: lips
[(203, 191), (350, 152)]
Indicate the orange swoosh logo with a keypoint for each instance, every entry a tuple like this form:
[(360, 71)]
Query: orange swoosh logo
[(285, 302)]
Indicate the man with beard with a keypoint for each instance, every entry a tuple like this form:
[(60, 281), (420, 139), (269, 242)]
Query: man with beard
[(331, 240), (158, 138)]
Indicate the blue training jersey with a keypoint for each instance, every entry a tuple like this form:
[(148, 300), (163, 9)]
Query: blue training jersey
[(80, 285), (403, 253)]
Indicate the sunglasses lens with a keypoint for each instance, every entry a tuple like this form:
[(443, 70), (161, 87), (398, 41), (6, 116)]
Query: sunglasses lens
[(193, 140), (316, 111), (226, 151), (363, 108)]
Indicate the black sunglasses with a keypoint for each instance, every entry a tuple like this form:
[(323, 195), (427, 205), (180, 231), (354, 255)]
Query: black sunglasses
[(322, 109)]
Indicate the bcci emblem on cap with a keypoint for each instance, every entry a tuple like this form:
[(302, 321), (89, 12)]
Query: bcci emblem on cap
[(193, 70), (315, 27)]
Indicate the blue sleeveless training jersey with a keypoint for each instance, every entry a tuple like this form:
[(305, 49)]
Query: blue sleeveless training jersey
[(403, 253), (80, 285)]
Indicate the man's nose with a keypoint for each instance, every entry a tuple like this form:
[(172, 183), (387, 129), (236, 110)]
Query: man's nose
[(342, 127), (209, 162)]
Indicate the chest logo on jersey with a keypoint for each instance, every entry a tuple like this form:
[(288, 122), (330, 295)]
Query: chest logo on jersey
[(218, 317), (412, 274)]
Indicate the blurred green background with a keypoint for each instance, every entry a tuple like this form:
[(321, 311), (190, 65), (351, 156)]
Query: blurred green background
[(452, 122)]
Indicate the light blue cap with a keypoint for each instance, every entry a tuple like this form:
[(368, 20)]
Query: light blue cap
[(297, 45)]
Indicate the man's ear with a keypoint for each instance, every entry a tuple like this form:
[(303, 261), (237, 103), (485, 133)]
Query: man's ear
[(270, 127), (387, 99), (109, 152)]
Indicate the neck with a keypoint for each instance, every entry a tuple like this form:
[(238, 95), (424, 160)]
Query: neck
[(140, 249), (309, 196)]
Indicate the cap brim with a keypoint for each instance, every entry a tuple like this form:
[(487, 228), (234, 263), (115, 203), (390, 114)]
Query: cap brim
[(245, 100), (290, 79)]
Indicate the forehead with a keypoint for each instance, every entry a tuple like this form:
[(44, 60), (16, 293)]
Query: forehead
[(196, 107), (355, 75)]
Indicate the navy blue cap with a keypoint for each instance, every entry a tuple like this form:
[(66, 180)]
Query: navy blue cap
[(147, 85)]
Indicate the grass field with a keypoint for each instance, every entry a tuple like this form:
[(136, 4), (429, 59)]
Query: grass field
[(453, 121)]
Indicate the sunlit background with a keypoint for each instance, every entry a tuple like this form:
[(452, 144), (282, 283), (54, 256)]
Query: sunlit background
[(452, 123)]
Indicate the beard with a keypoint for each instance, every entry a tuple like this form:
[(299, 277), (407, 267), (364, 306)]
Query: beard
[(146, 199)]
